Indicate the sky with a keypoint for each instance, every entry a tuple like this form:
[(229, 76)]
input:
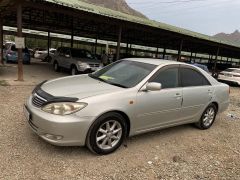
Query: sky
[(204, 16)]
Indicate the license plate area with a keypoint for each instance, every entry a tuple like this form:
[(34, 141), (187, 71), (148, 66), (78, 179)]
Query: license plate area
[(94, 68), (228, 75)]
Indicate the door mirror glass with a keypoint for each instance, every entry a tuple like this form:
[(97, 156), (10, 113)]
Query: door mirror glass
[(153, 86)]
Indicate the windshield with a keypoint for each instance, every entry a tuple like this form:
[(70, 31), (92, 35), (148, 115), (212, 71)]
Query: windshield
[(124, 73), (79, 53)]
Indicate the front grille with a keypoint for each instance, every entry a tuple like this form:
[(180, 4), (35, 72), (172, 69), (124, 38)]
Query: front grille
[(94, 65), (38, 101)]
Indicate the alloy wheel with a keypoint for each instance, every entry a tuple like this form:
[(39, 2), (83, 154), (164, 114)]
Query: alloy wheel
[(108, 135), (55, 66), (209, 116), (73, 71)]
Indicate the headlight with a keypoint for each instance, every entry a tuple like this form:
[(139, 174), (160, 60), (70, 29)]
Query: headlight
[(83, 65), (63, 108)]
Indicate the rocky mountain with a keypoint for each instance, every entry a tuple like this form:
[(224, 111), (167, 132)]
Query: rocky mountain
[(233, 37), (117, 5)]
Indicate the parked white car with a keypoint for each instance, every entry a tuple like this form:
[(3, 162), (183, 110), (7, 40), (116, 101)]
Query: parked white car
[(43, 54), (126, 98), (231, 75)]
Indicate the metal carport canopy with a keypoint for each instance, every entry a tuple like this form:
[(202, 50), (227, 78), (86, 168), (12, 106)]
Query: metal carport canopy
[(88, 20), (83, 19)]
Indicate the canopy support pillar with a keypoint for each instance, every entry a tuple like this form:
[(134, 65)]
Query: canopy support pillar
[(119, 43), (215, 62), (180, 51), (1, 40), (19, 34), (164, 53), (95, 45), (48, 43)]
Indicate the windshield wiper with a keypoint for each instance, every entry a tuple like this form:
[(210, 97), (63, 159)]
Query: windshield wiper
[(116, 84), (97, 78), (108, 82)]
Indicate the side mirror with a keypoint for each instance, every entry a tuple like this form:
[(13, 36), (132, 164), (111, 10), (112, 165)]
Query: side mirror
[(67, 55), (153, 86)]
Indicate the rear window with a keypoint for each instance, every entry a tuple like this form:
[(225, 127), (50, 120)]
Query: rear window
[(13, 48), (80, 53)]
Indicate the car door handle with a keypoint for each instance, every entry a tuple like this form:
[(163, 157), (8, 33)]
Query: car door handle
[(210, 91), (178, 95)]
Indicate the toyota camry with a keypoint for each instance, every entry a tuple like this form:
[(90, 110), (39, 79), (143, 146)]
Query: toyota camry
[(126, 98)]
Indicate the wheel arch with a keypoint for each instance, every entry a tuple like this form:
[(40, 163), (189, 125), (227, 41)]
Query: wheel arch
[(216, 104), (73, 65), (123, 114)]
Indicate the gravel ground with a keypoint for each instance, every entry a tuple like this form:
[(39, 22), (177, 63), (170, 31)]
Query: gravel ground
[(36, 72), (182, 152)]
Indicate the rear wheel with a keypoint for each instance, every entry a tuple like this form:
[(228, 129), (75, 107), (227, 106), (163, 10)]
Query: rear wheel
[(106, 134), (208, 117)]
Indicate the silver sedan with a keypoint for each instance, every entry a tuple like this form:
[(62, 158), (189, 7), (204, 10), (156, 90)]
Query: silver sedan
[(126, 98)]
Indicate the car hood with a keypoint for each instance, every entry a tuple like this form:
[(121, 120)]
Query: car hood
[(80, 87), (86, 60)]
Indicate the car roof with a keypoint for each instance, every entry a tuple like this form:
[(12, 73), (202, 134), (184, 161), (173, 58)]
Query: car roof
[(153, 61), (234, 68)]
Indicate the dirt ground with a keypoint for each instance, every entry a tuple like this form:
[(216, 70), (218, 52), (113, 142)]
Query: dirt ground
[(182, 152)]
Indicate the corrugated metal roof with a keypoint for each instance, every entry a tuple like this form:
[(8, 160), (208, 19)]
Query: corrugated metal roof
[(80, 5)]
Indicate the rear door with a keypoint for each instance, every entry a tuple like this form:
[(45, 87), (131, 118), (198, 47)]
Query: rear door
[(60, 56), (197, 93), (160, 108)]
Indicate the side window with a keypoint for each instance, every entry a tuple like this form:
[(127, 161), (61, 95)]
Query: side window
[(190, 77), (67, 53), (13, 48), (81, 54), (168, 78), (62, 52)]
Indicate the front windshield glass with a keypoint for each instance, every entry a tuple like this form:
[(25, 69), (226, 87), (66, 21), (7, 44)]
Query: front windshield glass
[(124, 73), (80, 53)]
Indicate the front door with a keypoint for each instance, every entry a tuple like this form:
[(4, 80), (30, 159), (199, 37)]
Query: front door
[(157, 109)]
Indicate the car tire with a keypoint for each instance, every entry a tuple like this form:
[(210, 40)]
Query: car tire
[(73, 71), (7, 60), (47, 59), (56, 66), (208, 117), (106, 134)]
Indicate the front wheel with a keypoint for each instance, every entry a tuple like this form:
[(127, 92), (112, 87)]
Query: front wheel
[(73, 71), (208, 117), (106, 134), (56, 66)]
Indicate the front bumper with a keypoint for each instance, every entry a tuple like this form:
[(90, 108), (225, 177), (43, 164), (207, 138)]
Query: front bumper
[(88, 68), (14, 58), (70, 130), (231, 80)]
